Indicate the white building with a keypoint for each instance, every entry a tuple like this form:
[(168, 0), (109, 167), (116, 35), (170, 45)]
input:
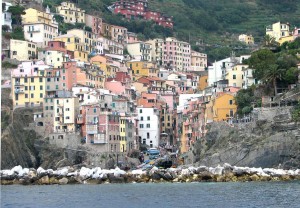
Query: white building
[(149, 126), (22, 50), (140, 51), (248, 79), (6, 16), (40, 33), (53, 58)]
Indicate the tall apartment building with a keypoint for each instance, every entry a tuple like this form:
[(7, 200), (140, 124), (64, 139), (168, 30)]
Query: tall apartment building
[(28, 84), (39, 27), (71, 13)]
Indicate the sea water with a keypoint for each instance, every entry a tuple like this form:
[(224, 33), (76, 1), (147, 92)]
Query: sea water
[(223, 195)]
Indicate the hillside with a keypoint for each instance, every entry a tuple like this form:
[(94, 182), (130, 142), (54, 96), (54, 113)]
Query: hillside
[(214, 24)]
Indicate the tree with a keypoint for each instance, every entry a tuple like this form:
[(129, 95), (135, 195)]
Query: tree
[(59, 19), (16, 14), (270, 42), (5, 28), (264, 63)]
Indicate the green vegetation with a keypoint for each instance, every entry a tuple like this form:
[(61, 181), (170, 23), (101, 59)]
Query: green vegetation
[(246, 100), (276, 68), (296, 113), (16, 12), (7, 65), (215, 24)]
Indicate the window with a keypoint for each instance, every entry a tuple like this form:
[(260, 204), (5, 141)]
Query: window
[(148, 125), (41, 79), (25, 80), (41, 95), (32, 95), (26, 87), (148, 118), (67, 117), (234, 76), (148, 135), (142, 118), (26, 95), (95, 110), (141, 111), (230, 102), (141, 126), (41, 87), (67, 109)]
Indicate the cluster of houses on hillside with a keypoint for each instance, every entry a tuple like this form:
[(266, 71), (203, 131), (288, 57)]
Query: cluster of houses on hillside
[(160, 94)]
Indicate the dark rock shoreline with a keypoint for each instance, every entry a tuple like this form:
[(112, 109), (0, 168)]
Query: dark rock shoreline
[(71, 175)]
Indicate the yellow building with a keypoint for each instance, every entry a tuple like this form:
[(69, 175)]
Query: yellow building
[(278, 30), (235, 75), (247, 39), (22, 50), (73, 43), (28, 84), (122, 134), (34, 16), (71, 13), (142, 69), (221, 108), (290, 38), (86, 38), (203, 82), (39, 27)]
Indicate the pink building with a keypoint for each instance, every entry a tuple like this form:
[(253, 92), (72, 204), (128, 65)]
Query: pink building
[(94, 22), (115, 87), (177, 54)]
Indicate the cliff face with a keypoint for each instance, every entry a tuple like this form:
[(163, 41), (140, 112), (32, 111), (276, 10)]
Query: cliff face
[(259, 144), (17, 143)]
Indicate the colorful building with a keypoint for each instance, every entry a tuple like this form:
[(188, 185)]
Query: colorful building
[(28, 84), (71, 13), (247, 39), (22, 50), (278, 30), (39, 27), (140, 51), (221, 108)]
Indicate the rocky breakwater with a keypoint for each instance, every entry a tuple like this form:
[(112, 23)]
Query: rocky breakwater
[(71, 175)]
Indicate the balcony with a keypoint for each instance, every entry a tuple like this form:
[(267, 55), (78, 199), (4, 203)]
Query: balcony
[(79, 120), (18, 91), (33, 31), (19, 84), (99, 141), (92, 129)]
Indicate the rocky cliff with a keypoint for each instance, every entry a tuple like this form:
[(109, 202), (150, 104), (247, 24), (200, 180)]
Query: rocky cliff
[(263, 143)]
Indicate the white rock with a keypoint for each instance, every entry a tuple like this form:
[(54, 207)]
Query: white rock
[(118, 172), (192, 169), (185, 172), (62, 172), (24, 172), (17, 169), (153, 170), (7, 172), (217, 170), (73, 173), (137, 172), (85, 172), (49, 171), (96, 172), (40, 170)]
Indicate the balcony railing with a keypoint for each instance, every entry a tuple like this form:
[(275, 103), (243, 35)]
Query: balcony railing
[(92, 129), (99, 141), (17, 91), (19, 84), (33, 31)]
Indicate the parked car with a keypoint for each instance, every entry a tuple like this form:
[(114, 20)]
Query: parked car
[(153, 154), (151, 149)]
